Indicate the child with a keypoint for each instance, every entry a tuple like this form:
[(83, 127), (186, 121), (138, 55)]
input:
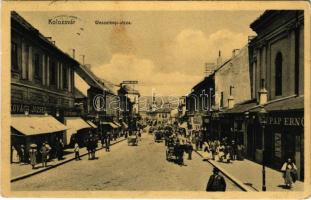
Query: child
[(76, 150)]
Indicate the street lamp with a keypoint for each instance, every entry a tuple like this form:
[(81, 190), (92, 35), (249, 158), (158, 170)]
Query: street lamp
[(262, 117)]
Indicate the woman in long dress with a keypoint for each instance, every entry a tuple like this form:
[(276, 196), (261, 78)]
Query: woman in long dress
[(289, 170), (33, 155)]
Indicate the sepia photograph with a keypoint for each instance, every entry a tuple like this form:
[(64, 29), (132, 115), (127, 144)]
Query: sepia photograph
[(164, 100)]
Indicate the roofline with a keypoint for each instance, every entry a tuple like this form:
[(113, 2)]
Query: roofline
[(40, 35)]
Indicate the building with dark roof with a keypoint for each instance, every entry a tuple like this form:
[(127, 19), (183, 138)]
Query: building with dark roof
[(42, 86)]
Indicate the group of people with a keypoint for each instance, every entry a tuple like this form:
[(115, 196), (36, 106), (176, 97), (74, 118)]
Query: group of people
[(91, 143), (224, 150), (44, 153), (173, 139)]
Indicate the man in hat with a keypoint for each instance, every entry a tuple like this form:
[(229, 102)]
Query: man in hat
[(216, 182), (45, 149), (189, 149)]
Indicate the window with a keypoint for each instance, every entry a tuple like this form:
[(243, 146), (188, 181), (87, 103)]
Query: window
[(14, 58), (37, 71), (65, 77), (53, 73), (26, 62), (278, 74)]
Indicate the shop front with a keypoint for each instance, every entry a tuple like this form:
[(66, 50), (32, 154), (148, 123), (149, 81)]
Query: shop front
[(285, 139), (34, 129), (282, 136)]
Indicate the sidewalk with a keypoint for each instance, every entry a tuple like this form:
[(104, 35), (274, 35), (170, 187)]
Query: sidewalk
[(249, 174), (20, 171)]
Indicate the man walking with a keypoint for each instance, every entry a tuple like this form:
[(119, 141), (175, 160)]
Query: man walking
[(45, 149), (216, 182), (107, 141), (189, 149)]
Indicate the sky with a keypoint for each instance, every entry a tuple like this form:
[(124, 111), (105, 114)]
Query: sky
[(165, 51)]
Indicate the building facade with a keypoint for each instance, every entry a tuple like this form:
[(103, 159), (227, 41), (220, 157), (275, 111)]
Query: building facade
[(232, 79), (42, 86), (277, 75)]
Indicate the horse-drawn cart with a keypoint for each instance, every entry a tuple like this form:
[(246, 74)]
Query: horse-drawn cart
[(158, 136), (132, 140)]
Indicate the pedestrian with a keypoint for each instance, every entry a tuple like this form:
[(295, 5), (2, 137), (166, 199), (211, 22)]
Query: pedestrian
[(240, 152), (45, 149), (189, 150), (216, 182), (234, 150), (21, 154), (213, 149), (201, 140), (228, 152), (88, 147), (220, 152), (77, 151), (289, 170), (33, 155), (61, 150), (58, 149), (94, 146), (180, 153), (107, 141)]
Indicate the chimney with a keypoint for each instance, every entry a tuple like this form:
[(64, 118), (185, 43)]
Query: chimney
[(88, 66), (231, 98), (73, 53), (263, 94), (235, 52), (219, 59)]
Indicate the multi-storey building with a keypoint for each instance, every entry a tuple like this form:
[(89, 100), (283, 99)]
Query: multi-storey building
[(277, 84), (42, 86)]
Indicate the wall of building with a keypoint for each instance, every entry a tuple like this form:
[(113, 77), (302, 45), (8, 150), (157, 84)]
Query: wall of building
[(233, 73), (279, 37), (30, 87)]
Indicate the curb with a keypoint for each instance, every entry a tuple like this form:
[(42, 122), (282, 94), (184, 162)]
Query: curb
[(228, 175), (56, 165)]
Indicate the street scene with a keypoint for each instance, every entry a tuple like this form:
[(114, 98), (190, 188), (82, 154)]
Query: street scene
[(157, 101), (136, 170)]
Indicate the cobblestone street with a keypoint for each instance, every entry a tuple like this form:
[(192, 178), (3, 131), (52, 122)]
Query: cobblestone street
[(133, 168)]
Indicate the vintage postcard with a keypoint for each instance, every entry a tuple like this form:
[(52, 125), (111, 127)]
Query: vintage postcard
[(157, 99)]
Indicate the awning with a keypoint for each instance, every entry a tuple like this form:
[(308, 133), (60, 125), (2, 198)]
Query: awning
[(91, 123), (119, 125), (184, 125), (112, 125), (241, 107), (36, 124), (287, 104), (125, 125), (74, 124)]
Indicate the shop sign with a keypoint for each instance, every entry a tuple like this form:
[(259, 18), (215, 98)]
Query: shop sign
[(32, 109), (286, 121)]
